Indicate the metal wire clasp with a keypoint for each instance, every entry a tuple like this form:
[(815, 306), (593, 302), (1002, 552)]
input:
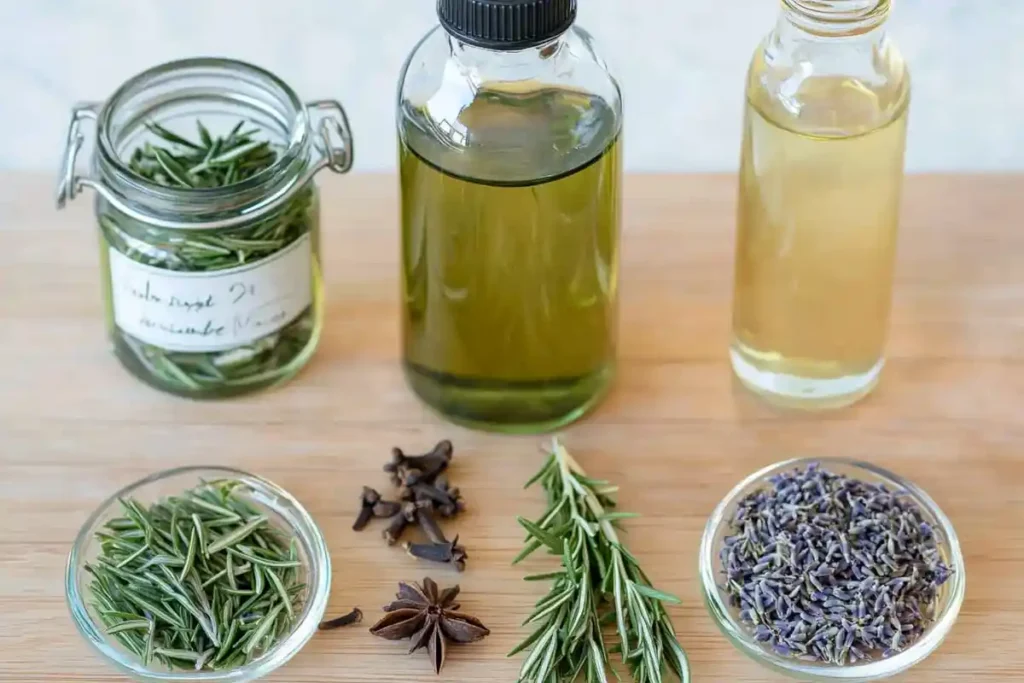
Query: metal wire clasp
[(68, 183), (333, 140), (329, 121)]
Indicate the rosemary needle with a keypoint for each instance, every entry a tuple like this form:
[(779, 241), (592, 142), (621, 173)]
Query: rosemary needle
[(188, 605), (281, 590), (263, 629), (200, 534), (266, 562), (133, 625), (257, 574), (134, 556), (190, 556), (234, 536)]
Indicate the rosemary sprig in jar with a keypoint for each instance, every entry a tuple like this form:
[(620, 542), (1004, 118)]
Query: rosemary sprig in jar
[(599, 582), (199, 581), (203, 163)]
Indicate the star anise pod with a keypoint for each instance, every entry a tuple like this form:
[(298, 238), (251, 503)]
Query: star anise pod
[(430, 618)]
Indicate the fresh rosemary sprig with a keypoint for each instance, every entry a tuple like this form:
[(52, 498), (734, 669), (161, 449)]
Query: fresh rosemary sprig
[(211, 162), (599, 583), (198, 581)]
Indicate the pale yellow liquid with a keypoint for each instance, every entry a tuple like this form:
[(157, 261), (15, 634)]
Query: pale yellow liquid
[(816, 245)]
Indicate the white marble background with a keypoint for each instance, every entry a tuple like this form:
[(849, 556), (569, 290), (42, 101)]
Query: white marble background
[(681, 63)]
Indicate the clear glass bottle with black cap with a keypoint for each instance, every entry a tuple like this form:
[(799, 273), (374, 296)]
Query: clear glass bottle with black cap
[(509, 151)]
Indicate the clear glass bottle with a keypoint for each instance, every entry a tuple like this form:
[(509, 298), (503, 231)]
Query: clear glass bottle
[(509, 153), (209, 246), (820, 181)]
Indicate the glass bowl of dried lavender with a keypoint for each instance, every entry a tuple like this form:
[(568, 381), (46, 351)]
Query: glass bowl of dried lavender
[(832, 570), (198, 574)]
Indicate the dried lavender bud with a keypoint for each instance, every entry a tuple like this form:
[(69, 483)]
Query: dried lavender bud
[(824, 566)]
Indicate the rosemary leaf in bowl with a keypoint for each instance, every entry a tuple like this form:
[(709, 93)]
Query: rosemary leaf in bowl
[(197, 581)]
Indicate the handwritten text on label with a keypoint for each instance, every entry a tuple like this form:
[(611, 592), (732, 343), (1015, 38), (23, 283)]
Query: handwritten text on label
[(211, 311)]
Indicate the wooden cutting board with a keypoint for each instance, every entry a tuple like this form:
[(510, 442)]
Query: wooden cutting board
[(675, 433)]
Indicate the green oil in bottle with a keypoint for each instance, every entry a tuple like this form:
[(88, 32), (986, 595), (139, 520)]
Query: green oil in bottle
[(510, 257)]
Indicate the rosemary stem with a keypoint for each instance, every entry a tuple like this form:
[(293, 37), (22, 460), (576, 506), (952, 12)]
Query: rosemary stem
[(600, 583)]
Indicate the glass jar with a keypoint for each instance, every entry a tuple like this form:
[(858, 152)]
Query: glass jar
[(510, 162), (820, 182), (283, 512), (208, 221)]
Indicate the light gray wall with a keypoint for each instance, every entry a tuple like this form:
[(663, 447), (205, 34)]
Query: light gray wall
[(681, 63)]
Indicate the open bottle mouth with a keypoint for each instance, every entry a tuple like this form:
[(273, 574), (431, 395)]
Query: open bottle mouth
[(839, 9), (838, 17), (220, 93)]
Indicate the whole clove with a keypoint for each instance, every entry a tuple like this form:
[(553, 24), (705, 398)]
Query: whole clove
[(373, 505), (368, 499), (449, 552), (396, 526), (439, 549), (427, 475), (454, 505), (424, 496), (353, 617), (447, 501), (406, 470), (429, 526), (405, 516), (386, 509)]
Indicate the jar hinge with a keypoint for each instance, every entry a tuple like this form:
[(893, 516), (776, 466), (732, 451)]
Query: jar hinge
[(69, 184), (337, 158)]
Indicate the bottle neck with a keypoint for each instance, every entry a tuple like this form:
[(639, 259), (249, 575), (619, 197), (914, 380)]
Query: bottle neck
[(835, 18), (504, 64), (829, 67)]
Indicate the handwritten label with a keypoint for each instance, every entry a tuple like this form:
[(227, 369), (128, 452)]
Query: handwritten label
[(211, 311)]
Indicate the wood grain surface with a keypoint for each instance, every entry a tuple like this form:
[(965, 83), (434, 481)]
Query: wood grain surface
[(675, 433)]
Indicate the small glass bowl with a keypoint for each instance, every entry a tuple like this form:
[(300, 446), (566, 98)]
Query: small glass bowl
[(950, 597), (284, 512)]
